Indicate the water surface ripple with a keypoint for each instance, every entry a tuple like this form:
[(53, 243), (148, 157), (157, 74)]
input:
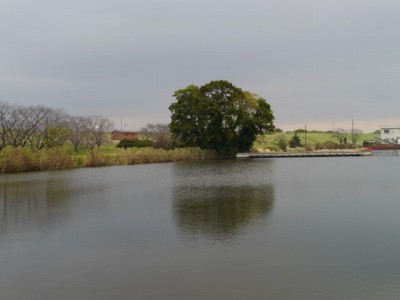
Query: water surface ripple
[(310, 228)]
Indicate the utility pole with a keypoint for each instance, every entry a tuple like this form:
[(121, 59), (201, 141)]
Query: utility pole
[(352, 131), (305, 135)]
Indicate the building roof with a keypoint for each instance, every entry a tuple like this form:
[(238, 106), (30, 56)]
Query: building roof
[(119, 131), (390, 127)]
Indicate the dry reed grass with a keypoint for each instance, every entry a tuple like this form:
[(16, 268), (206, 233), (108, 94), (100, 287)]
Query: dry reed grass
[(24, 159)]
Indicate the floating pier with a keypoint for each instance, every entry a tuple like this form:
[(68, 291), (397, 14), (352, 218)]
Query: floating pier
[(385, 152), (301, 154)]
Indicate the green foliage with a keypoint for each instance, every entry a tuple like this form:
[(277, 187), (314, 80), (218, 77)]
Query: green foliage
[(56, 137), (300, 130), (134, 143), (295, 141), (276, 148), (269, 141), (219, 116), (282, 142), (370, 143)]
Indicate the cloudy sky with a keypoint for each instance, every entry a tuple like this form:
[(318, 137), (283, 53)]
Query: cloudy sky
[(317, 62)]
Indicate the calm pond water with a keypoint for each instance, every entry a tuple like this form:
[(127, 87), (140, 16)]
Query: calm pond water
[(306, 228)]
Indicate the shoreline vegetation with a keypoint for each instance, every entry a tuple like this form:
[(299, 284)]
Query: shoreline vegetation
[(26, 159), (300, 141), (22, 159), (39, 138), (215, 120)]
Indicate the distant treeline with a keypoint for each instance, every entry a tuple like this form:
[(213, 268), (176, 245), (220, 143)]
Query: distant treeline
[(39, 127), (38, 138)]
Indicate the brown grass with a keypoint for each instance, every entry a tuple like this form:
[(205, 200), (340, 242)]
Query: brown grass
[(25, 159)]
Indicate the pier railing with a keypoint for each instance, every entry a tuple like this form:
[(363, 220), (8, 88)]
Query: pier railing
[(384, 150), (385, 153), (377, 147), (301, 154)]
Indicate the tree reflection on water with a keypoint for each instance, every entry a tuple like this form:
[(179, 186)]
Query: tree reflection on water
[(32, 205), (221, 212)]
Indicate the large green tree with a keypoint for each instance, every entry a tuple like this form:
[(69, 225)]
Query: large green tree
[(219, 116)]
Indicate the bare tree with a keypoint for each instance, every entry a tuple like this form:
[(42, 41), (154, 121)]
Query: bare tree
[(13, 125), (21, 124), (52, 129), (97, 132), (78, 128), (147, 132), (40, 126), (5, 113), (356, 133), (158, 133), (341, 135)]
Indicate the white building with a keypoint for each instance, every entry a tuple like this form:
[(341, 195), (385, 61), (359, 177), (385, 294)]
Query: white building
[(390, 134)]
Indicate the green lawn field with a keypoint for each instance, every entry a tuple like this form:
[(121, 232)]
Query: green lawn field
[(270, 142)]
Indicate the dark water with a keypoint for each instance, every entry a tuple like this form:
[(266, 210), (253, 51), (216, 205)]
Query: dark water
[(318, 228)]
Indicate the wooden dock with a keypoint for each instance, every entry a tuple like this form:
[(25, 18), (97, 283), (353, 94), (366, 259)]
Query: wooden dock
[(301, 154)]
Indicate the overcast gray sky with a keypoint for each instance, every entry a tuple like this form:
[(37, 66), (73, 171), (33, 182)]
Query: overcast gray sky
[(316, 62)]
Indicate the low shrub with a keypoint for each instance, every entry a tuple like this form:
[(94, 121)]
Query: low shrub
[(56, 158), (19, 159), (134, 143), (330, 145), (151, 155), (295, 141), (274, 148), (282, 142), (309, 147), (318, 146)]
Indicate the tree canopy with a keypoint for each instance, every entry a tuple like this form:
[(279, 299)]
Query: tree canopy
[(219, 116)]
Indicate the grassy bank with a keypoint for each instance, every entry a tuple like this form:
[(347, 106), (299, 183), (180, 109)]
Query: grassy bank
[(316, 140), (24, 159)]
